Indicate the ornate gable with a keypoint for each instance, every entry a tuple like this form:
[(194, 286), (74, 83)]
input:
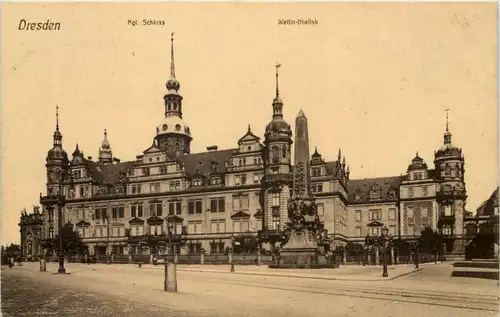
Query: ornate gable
[(239, 215), (174, 218), (83, 223), (136, 221), (154, 220), (375, 223)]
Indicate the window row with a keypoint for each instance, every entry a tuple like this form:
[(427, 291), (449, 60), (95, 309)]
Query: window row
[(375, 214)]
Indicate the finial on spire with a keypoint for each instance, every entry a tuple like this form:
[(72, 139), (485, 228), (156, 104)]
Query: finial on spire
[(417, 154), (172, 64), (447, 119), (277, 75), (57, 118), (105, 134), (77, 146), (249, 130)]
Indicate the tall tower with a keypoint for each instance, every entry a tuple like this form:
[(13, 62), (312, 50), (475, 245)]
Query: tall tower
[(105, 153), (276, 190), (173, 134), (451, 193), (57, 165)]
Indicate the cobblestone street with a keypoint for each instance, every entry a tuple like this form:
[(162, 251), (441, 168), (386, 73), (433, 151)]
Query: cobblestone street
[(121, 290)]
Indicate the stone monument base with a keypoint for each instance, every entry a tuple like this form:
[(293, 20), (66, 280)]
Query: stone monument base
[(302, 258)]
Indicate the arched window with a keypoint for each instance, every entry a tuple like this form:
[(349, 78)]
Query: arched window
[(284, 150)]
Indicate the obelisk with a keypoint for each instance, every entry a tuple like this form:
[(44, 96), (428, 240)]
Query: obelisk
[(301, 177)]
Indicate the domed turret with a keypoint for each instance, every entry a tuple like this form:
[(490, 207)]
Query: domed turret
[(105, 153), (278, 127), (173, 134), (57, 153)]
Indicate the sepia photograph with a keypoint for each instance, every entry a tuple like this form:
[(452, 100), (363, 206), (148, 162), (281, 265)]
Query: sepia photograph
[(240, 159)]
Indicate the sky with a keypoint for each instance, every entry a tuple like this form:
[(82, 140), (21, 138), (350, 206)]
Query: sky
[(373, 79)]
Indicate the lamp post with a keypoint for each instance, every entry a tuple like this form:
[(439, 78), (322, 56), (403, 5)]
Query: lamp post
[(108, 248), (233, 238), (385, 232), (170, 281), (170, 227)]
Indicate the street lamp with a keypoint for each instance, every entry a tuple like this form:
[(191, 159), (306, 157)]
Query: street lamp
[(385, 232), (170, 228)]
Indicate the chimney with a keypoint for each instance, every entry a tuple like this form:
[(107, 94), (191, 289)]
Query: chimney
[(212, 148)]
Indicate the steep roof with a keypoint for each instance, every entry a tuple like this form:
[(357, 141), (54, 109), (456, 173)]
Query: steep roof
[(488, 206), (108, 173), (202, 162), (364, 186)]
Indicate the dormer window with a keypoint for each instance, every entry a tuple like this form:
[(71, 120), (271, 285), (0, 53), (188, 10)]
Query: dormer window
[(197, 182), (316, 172), (374, 194), (391, 194), (215, 180), (357, 195)]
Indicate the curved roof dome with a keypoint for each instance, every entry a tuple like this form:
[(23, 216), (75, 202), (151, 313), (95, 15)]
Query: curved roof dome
[(448, 150), (57, 153), (278, 125), (173, 124)]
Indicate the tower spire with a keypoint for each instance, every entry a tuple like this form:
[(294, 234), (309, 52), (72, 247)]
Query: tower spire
[(447, 134), (57, 118), (172, 63), (277, 80), (57, 134)]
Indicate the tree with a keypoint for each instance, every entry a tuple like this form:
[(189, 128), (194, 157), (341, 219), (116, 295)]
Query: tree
[(13, 250), (72, 242), (430, 240), (245, 244)]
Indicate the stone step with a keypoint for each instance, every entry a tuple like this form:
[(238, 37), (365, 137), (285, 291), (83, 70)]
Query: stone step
[(490, 275), (477, 264)]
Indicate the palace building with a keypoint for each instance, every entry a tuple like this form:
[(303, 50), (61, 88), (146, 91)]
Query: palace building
[(205, 198)]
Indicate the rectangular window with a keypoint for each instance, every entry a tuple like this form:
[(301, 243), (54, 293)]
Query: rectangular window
[(245, 226), (114, 212), (358, 232), (133, 211), (411, 230), (175, 186), (424, 191), (321, 209), (392, 213), (115, 231), (256, 178), (171, 209), (159, 210), (392, 230), (276, 223), (191, 207), (258, 224), (121, 212), (198, 227), (375, 214), (448, 211), (375, 231), (276, 200), (121, 231), (319, 188), (217, 204), (218, 226), (358, 215), (409, 212), (424, 211), (104, 232), (236, 226), (139, 211), (178, 228), (410, 192), (191, 227), (98, 213), (199, 207)]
